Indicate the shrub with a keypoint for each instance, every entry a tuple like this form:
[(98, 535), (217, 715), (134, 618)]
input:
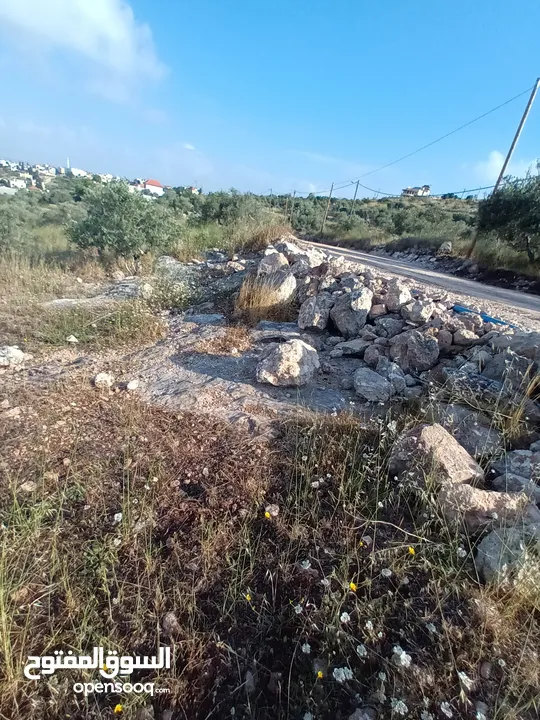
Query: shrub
[(123, 223)]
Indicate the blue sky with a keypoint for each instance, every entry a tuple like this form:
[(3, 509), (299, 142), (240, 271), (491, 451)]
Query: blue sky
[(281, 95)]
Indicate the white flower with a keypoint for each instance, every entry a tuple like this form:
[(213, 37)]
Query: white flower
[(369, 626), (401, 658), (465, 680), (386, 572), (398, 706), (304, 458), (345, 617), (361, 651), (325, 582), (382, 676), (117, 542), (501, 662), (306, 648), (305, 564), (461, 552), (446, 710), (297, 609), (316, 484), (342, 674), (117, 518)]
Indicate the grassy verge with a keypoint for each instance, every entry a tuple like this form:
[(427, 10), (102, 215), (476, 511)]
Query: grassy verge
[(289, 576)]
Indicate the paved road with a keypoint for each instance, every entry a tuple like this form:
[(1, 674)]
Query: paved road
[(513, 299)]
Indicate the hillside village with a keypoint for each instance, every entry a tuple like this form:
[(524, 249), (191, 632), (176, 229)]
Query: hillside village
[(20, 175)]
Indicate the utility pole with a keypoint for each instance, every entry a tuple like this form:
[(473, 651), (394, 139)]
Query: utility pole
[(510, 152), (327, 209), (292, 207), (287, 205), (354, 198)]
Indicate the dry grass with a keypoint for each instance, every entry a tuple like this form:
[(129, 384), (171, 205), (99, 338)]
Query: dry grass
[(24, 321), (259, 299), (232, 340), (350, 566)]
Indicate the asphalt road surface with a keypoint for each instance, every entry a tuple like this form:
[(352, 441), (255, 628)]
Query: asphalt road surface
[(514, 301)]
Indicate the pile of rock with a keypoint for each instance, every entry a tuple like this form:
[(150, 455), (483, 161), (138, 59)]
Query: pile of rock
[(402, 338), (11, 356), (428, 454)]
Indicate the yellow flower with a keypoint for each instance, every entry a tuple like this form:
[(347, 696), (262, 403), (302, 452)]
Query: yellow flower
[(353, 586), (118, 709), (412, 551), (248, 597), (361, 544), (267, 515), (319, 674)]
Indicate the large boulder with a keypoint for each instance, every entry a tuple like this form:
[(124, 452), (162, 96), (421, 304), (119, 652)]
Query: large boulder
[(473, 430), (350, 311), (514, 371), (414, 352), (270, 263), (430, 450), (397, 295), (526, 344), (479, 509), (315, 312), (418, 312), (371, 386), (510, 555), (11, 356), (393, 373), (290, 364), (389, 326), (351, 348), (280, 286), (510, 482), (519, 462)]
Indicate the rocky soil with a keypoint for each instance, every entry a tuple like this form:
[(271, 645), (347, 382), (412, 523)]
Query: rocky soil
[(359, 342)]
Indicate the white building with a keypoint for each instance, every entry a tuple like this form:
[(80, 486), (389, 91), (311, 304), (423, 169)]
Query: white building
[(153, 186), (18, 183), (76, 172), (423, 191)]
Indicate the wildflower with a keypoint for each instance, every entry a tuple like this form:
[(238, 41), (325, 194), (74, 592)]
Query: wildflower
[(267, 515), (304, 458), (412, 551), (271, 510), (117, 518), (297, 609), (361, 651), (117, 542), (501, 663), (401, 658), (369, 626), (465, 680), (446, 710), (353, 586), (343, 674), (386, 572), (118, 709), (248, 597), (382, 676), (345, 617), (398, 706), (306, 648), (461, 552), (305, 564), (316, 484), (319, 674), (325, 582)]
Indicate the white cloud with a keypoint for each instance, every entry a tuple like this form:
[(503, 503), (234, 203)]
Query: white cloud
[(103, 32), (488, 170), (188, 146)]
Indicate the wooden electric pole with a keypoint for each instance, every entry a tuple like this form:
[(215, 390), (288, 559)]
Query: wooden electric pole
[(327, 209), (510, 152), (354, 198), (292, 208)]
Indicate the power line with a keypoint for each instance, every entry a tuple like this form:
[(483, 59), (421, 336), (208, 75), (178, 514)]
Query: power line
[(345, 183)]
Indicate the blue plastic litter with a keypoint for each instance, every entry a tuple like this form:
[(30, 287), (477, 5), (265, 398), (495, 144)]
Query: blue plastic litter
[(485, 317)]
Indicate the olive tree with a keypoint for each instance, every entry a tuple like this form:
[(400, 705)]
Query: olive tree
[(513, 213), (123, 223)]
